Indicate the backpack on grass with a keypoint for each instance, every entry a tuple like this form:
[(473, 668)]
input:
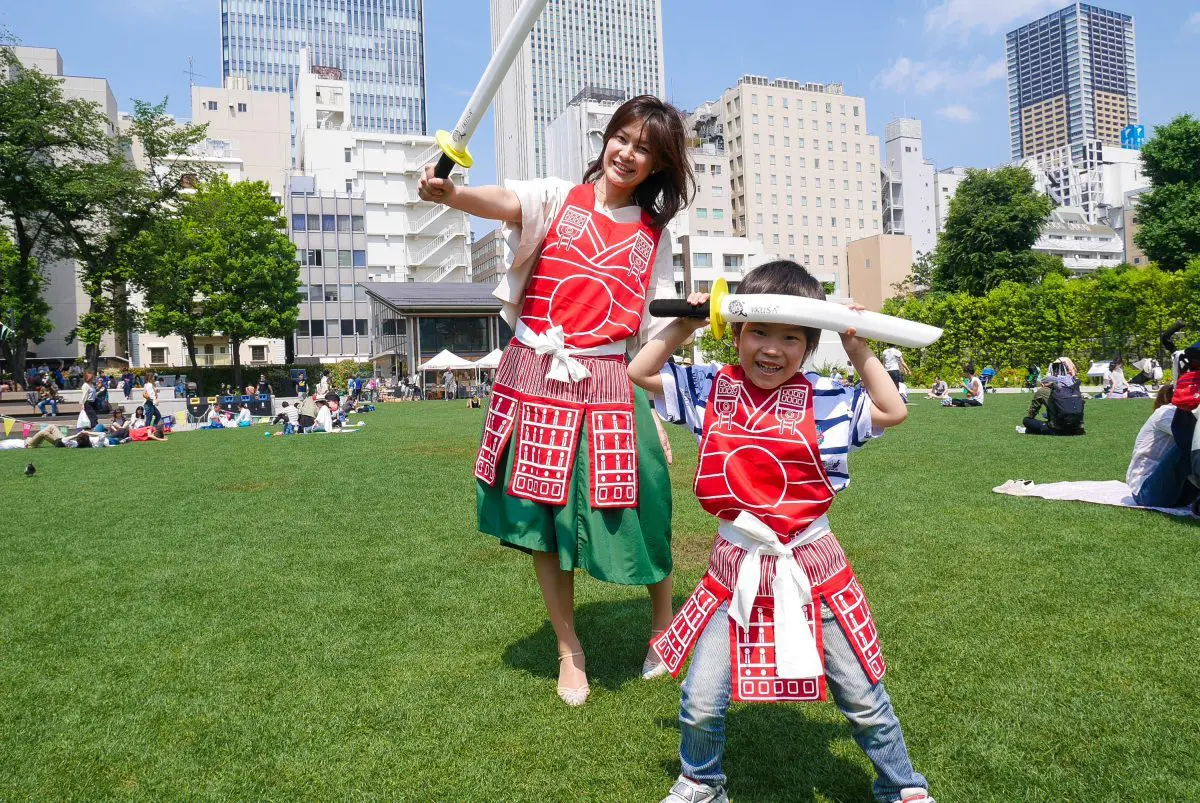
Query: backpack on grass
[(1066, 407)]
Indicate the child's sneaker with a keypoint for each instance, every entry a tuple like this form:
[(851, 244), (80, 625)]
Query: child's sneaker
[(915, 796), (1020, 429), (686, 790)]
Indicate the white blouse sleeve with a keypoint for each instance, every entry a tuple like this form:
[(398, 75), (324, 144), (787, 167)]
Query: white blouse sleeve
[(662, 285), (540, 201)]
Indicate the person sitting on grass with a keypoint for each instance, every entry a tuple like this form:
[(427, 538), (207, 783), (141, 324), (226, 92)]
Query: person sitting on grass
[(773, 446), (1059, 394), (289, 416), (244, 419), (1115, 384), (1033, 377), (118, 428), (139, 418), (307, 414), (972, 390), (940, 390), (1164, 470)]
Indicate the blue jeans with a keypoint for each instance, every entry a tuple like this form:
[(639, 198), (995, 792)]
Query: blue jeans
[(53, 404), (153, 416), (1167, 485), (707, 691)]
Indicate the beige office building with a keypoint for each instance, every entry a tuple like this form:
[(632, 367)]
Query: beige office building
[(875, 265), (804, 172), (253, 127)]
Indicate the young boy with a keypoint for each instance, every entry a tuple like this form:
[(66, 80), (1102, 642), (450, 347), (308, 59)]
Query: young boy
[(972, 388), (779, 615)]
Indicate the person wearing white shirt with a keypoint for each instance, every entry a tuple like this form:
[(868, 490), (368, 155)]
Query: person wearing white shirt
[(150, 401), (324, 418), (244, 419), (893, 363), (1158, 469)]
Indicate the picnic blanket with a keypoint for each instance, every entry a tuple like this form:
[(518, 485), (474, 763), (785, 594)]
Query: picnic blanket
[(1098, 492)]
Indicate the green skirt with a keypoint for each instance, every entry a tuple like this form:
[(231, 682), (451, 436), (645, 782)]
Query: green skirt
[(630, 546)]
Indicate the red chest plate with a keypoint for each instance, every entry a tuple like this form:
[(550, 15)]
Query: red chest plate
[(759, 454), (593, 274)]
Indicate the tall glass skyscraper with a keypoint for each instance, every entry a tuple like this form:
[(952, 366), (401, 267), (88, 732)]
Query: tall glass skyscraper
[(1072, 79), (378, 45), (607, 46)]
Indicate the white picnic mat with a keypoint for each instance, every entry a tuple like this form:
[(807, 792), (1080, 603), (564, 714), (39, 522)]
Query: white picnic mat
[(1098, 492)]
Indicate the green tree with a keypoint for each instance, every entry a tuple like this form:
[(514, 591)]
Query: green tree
[(173, 275), (920, 278), (1169, 214), (718, 349), (23, 311), (103, 205), (994, 221), (250, 286), (42, 134)]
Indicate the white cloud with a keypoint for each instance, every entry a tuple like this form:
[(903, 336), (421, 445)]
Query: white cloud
[(925, 77), (989, 16), (957, 112)]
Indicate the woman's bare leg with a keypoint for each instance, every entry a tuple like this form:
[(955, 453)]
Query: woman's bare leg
[(660, 605), (558, 592)]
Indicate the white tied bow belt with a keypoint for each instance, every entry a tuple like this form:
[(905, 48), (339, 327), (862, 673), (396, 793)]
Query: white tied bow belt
[(563, 365), (796, 653)]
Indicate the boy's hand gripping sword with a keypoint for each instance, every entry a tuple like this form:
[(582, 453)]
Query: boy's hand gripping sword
[(454, 143), (723, 307)]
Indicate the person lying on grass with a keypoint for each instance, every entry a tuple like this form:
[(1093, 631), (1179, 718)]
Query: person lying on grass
[(773, 446)]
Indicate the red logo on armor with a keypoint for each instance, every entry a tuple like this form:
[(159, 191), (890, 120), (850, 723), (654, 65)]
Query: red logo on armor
[(790, 408)]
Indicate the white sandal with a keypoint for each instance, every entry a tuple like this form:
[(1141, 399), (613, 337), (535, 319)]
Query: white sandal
[(653, 667), (573, 697)]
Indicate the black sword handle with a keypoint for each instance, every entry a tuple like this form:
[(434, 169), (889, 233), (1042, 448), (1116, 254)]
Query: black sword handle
[(677, 308), (444, 165)]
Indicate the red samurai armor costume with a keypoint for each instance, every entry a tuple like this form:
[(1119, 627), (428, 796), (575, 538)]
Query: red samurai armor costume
[(568, 450), (761, 472)]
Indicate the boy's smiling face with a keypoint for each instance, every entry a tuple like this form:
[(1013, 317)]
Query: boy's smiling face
[(770, 353)]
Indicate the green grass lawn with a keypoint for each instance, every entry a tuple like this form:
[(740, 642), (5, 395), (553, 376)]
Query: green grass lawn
[(227, 616)]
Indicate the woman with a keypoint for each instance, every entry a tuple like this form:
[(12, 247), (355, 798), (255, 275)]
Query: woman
[(150, 400), (88, 395), (583, 484)]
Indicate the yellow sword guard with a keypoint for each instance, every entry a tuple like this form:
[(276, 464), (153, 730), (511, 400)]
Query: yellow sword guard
[(462, 158), (720, 289)]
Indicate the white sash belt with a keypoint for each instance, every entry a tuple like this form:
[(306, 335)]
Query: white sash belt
[(563, 365), (796, 653)]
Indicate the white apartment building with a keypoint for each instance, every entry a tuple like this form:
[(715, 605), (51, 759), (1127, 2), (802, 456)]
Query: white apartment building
[(616, 44), (575, 138), (701, 260), (804, 172), (252, 127), (1092, 177), (1083, 246), (907, 179), (407, 239), (63, 290), (945, 185)]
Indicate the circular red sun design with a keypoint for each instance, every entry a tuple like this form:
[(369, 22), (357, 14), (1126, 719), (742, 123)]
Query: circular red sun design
[(756, 477), (582, 302)]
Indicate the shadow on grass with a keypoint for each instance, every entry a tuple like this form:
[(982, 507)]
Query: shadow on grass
[(774, 751), (615, 636)]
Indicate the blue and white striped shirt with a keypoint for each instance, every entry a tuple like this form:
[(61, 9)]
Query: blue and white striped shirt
[(843, 415)]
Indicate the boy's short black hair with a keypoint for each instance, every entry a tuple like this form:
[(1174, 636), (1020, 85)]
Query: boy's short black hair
[(785, 278), (969, 368)]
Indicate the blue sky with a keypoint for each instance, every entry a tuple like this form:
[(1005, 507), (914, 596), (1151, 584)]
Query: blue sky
[(939, 60)]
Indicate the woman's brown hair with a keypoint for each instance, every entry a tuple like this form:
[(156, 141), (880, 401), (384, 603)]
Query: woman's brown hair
[(671, 185)]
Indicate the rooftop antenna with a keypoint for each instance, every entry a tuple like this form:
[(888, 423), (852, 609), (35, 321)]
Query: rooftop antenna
[(192, 74)]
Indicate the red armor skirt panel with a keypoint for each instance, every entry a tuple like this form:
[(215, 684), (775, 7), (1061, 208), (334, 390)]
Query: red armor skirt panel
[(545, 416)]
